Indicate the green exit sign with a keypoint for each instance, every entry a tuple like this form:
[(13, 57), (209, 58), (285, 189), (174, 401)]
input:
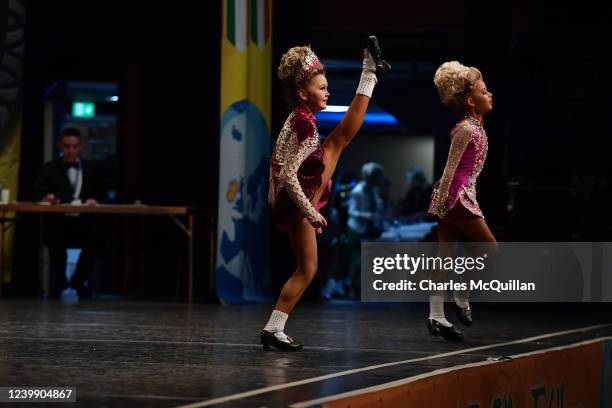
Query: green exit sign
[(83, 109)]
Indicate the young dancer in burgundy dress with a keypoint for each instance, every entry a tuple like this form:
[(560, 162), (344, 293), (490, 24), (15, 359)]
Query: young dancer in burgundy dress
[(301, 168)]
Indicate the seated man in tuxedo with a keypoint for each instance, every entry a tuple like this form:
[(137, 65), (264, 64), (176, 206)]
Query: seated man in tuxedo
[(69, 180)]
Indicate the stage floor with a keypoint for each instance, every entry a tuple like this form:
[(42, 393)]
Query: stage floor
[(137, 354)]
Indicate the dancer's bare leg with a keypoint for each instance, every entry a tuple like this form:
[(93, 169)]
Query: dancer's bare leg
[(340, 137), (448, 235), (304, 244), (447, 243), (478, 230)]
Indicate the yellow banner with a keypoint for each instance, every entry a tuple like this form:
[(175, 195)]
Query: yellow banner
[(243, 268), (9, 178), (246, 73)]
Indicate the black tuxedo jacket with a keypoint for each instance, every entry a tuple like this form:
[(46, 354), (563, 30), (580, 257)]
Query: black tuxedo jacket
[(54, 179)]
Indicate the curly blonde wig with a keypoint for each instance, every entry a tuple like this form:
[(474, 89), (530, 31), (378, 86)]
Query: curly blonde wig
[(454, 82), (298, 66)]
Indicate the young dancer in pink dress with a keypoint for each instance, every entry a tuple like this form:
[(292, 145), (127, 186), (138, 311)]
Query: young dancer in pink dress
[(301, 168), (454, 198)]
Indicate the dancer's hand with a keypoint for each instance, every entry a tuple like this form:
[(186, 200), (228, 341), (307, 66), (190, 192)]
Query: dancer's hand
[(319, 222), (441, 208)]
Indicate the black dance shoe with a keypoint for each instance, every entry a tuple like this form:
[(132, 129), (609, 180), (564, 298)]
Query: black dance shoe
[(382, 66), (464, 314), (438, 329), (268, 339)]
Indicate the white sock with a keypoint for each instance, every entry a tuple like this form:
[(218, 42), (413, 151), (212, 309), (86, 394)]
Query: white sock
[(462, 298), (367, 83), (276, 322), (436, 309)]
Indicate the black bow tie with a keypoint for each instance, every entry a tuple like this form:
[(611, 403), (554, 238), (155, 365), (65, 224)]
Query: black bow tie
[(68, 165)]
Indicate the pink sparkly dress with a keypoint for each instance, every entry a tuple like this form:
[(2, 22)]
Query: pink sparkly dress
[(296, 167), (466, 159)]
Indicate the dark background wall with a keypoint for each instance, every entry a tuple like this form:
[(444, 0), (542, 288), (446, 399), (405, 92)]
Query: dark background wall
[(545, 62), (164, 55)]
